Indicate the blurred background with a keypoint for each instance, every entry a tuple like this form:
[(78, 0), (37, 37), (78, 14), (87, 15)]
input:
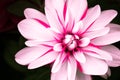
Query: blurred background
[(11, 12)]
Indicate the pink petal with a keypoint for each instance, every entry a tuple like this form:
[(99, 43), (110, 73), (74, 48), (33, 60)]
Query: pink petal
[(80, 57), (78, 26), (26, 55), (105, 18), (56, 5), (113, 27), (57, 47), (77, 8), (31, 29), (115, 53), (81, 76), (109, 38), (94, 55), (61, 74), (37, 43), (94, 66), (58, 63), (53, 20), (84, 42), (72, 68), (91, 16), (69, 23), (33, 13), (108, 74), (104, 54), (97, 33), (43, 60)]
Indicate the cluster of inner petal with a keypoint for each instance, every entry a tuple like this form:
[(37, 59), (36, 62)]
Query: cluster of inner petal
[(71, 43)]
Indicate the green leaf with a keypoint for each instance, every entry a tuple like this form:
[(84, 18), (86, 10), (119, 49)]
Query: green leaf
[(18, 7)]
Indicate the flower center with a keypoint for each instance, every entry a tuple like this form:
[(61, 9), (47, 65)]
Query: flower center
[(70, 42)]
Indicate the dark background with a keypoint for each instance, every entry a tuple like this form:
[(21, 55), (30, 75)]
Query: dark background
[(11, 12)]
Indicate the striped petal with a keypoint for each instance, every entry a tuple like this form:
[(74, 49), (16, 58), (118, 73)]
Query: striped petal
[(31, 29), (29, 54), (43, 60)]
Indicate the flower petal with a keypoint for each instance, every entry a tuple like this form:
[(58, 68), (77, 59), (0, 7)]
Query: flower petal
[(69, 23), (107, 74), (105, 18), (78, 26), (81, 76), (62, 73), (56, 6), (109, 38), (113, 27), (43, 60), (115, 52), (97, 33), (94, 55), (31, 43), (77, 8), (26, 55), (31, 29), (72, 68), (58, 63), (91, 16), (55, 14), (80, 57), (104, 54), (58, 47), (84, 42), (90, 66), (33, 13)]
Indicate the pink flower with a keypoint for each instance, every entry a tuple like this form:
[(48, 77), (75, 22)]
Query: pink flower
[(74, 39)]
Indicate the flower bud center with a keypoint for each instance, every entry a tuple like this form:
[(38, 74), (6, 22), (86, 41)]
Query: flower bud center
[(71, 41)]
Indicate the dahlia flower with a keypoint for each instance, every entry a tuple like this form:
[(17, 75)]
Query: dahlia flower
[(74, 39)]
